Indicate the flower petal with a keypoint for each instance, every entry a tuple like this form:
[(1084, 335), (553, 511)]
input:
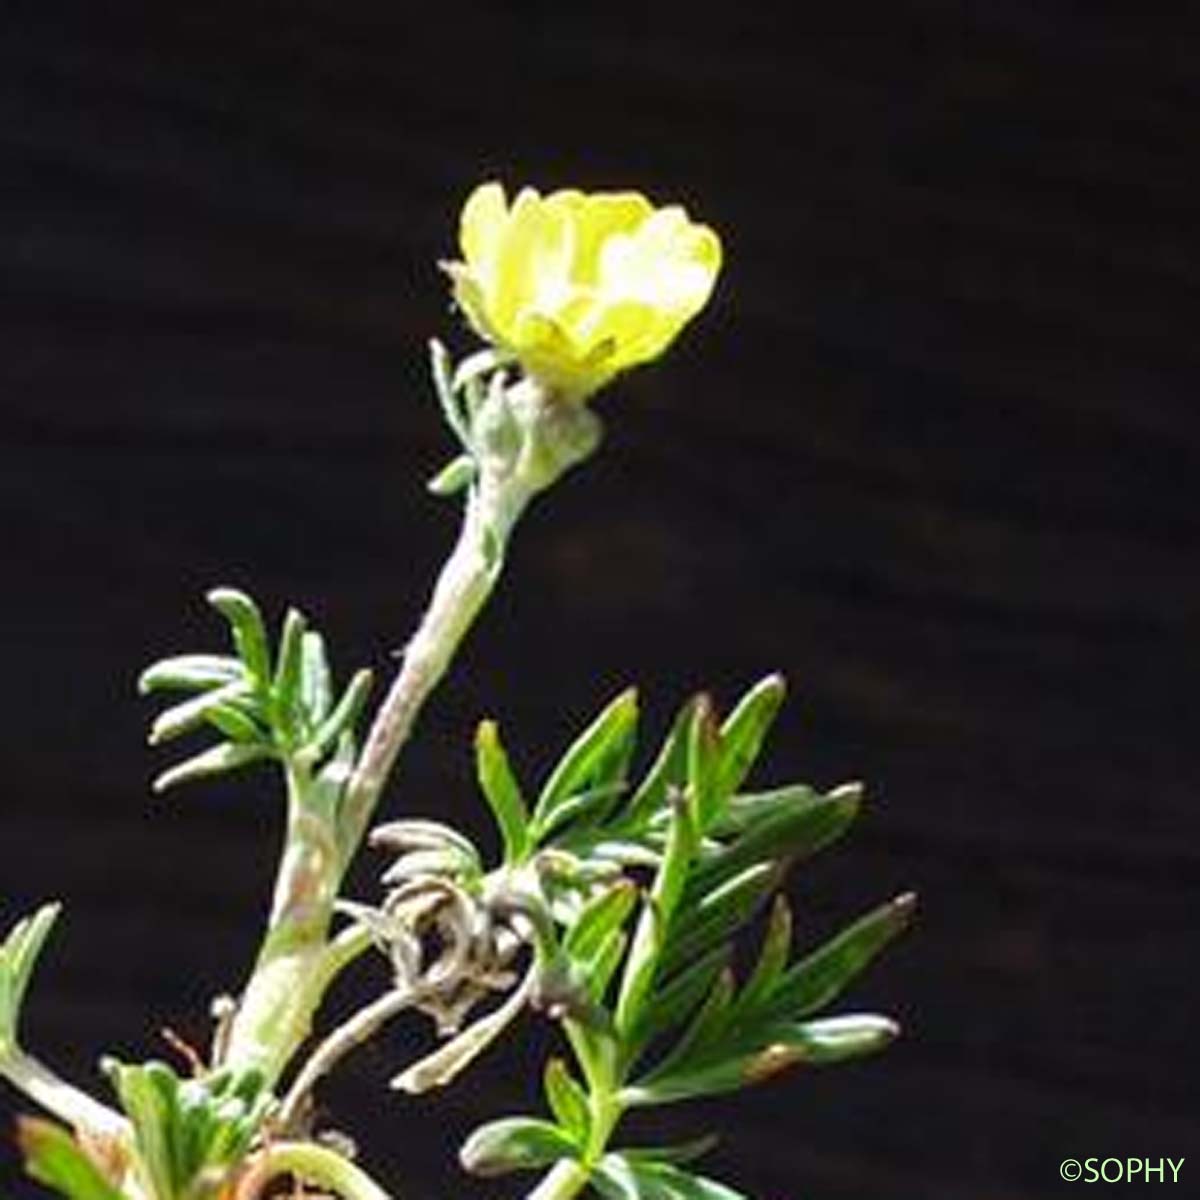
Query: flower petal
[(481, 225)]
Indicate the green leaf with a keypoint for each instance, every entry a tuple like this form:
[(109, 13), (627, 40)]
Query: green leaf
[(457, 475), (642, 963), (791, 831), (705, 1025), (235, 724), (285, 687), (514, 1144), (621, 1177), (679, 1153), (600, 918), (719, 915), (602, 966), (191, 714), (599, 757), (743, 732), (745, 811), (713, 1067), (704, 758), (820, 977), (145, 1096), (185, 1128), (502, 792), (54, 1158), (583, 810), (344, 715), (18, 957), (316, 680), (829, 1040), (567, 1099), (679, 996), (227, 756), (190, 672), (772, 958), (669, 770), (249, 632)]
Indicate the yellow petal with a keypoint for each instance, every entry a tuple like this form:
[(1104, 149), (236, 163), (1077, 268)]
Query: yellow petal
[(481, 224), (605, 215)]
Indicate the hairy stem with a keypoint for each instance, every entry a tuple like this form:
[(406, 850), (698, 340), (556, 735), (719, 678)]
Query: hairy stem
[(276, 1011), (526, 439), (462, 588)]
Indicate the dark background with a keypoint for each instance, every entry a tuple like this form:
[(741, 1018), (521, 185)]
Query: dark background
[(931, 452)]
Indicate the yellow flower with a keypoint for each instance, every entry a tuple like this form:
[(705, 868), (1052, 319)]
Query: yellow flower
[(578, 287)]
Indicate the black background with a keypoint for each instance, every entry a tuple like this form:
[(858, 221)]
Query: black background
[(931, 452)]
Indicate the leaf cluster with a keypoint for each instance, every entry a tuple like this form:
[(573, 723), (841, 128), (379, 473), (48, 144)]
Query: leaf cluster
[(696, 858), (266, 705), (189, 1133)]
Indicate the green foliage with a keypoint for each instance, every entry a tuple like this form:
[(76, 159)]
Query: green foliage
[(18, 957), (280, 707), (515, 1144), (53, 1157), (647, 888), (626, 1177), (189, 1133)]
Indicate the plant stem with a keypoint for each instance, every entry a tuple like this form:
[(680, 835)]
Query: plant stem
[(309, 1163), (462, 588), (275, 1013), (526, 440), (566, 1179)]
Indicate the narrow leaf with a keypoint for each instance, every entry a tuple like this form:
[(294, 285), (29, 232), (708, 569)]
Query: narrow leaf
[(725, 909), (189, 672), (599, 919), (704, 751), (228, 756), (743, 732), (642, 963), (596, 758), (191, 714), (345, 713), (821, 976), (316, 680), (249, 632), (679, 997), (502, 792), (285, 688), (234, 724), (797, 831), (669, 770), (772, 958)]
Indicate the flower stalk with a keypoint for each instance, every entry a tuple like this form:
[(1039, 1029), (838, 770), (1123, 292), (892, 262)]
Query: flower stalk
[(523, 439)]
